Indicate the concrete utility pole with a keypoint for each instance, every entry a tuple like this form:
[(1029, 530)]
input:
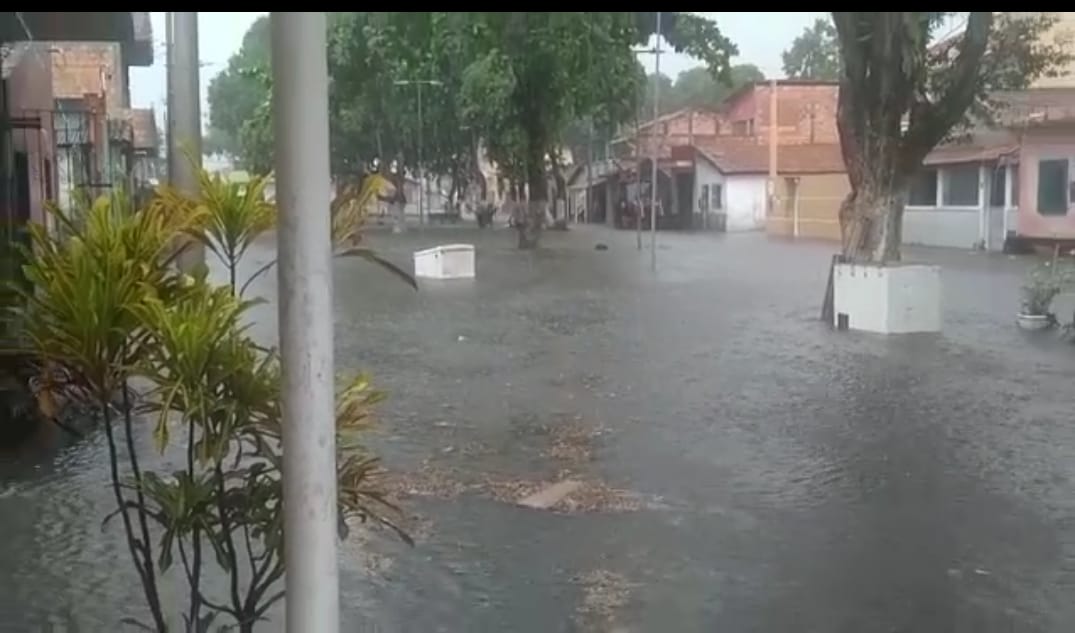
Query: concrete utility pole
[(773, 140), (184, 112), (421, 176), (300, 124), (169, 100)]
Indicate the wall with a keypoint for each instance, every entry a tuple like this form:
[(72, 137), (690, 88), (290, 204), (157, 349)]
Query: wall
[(30, 95), (671, 130), (819, 198), (806, 113), (708, 175), (85, 68), (1037, 146), (948, 226), (744, 198)]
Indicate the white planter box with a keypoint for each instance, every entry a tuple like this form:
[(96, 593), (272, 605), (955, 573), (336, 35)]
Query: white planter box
[(892, 299), (449, 261)]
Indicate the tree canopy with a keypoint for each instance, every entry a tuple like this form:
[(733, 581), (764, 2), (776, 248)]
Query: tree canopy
[(902, 92), (514, 83), (234, 95), (696, 87), (814, 54)]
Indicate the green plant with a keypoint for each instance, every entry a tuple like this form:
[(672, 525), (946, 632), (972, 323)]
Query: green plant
[(237, 214), (107, 306), (80, 313), (1044, 282)]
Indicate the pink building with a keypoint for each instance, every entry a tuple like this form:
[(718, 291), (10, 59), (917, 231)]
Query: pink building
[(27, 95), (1013, 184)]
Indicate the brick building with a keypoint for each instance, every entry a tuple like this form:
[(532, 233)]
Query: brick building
[(726, 138), (806, 112)]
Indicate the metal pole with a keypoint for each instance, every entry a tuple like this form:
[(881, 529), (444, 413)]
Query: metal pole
[(589, 172), (638, 179), (300, 123), (185, 144), (421, 178), (654, 150)]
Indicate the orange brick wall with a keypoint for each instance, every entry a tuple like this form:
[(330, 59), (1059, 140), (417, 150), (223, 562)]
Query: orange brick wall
[(87, 68), (805, 113)]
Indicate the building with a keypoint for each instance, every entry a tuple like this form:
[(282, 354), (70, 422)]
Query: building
[(731, 188), (30, 153), (1002, 185), (701, 151), (805, 112)]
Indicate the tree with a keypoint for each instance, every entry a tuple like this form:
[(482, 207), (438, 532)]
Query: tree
[(534, 72), (900, 96), (234, 94), (696, 87), (217, 141), (815, 54)]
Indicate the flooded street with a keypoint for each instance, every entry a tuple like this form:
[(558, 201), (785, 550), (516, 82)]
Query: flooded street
[(742, 467)]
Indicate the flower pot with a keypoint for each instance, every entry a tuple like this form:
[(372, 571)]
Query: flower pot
[(1033, 322)]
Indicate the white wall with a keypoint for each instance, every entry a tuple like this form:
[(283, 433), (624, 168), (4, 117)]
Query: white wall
[(949, 226), (744, 201), (706, 174)]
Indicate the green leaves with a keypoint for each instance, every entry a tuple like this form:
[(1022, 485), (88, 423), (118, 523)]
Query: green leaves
[(105, 304)]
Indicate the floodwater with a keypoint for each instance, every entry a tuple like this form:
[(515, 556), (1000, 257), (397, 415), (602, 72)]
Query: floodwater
[(781, 476)]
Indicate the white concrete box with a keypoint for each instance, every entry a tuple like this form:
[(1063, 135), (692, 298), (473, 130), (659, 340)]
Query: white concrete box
[(448, 261), (887, 299)]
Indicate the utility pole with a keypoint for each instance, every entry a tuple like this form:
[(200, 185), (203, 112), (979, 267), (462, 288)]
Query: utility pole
[(655, 149), (169, 122), (589, 173), (421, 177), (300, 126), (184, 109)]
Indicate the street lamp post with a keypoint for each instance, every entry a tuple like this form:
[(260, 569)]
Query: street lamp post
[(422, 181)]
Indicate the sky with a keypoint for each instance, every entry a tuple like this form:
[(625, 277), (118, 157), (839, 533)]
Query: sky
[(761, 38)]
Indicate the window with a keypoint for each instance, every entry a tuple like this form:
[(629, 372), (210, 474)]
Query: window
[(717, 192), (960, 186), (924, 189), (997, 181), (1053, 187), (739, 128), (703, 200)]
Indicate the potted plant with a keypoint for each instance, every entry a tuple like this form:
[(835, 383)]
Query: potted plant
[(1041, 287)]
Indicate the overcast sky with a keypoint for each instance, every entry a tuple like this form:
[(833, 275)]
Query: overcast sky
[(761, 37)]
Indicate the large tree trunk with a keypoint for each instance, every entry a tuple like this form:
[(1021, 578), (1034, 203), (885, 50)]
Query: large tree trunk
[(871, 222), (533, 219)]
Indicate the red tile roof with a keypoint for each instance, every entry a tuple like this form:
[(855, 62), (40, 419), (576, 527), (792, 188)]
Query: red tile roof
[(950, 154), (733, 156)]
